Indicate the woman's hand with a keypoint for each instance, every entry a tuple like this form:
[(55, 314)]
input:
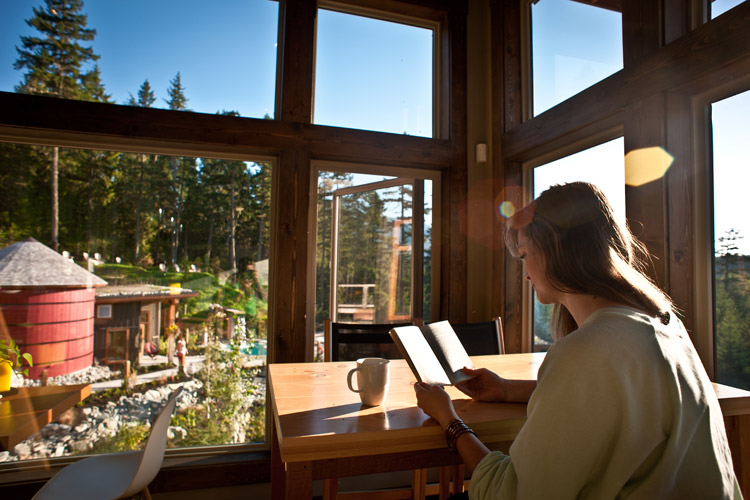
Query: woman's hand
[(435, 402), (483, 385), (488, 386)]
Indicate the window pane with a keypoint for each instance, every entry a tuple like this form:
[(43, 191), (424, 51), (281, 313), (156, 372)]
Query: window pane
[(602, 165), (373, 75), (375, 245), (574, 45), (177, 250), (718, 7), (731, 151), (187, 55)]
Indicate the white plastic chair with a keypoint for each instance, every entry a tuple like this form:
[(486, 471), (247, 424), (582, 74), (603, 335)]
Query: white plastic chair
[(117, 475)]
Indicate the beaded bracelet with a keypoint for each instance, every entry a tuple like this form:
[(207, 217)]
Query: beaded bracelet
[(455, 429)]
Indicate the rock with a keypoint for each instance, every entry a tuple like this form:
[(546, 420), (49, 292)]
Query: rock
[(173, 430), (80, 446), (152, 395)]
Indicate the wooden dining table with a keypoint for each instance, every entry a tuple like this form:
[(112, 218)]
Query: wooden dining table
[(25, 410), (321, 430)]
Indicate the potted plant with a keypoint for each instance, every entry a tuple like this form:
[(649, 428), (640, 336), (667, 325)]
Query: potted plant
[(11, 358)]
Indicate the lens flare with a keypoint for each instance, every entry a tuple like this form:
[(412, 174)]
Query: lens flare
[(646, 165), (506, 209)]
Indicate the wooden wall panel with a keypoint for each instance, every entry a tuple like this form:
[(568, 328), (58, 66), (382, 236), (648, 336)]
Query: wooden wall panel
[(680, 196), (455, 180), (646, 204)]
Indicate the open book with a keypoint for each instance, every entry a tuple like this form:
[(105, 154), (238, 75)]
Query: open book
[(434, 352)]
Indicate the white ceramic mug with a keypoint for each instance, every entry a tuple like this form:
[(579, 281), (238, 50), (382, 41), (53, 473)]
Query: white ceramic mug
[(372, 380)]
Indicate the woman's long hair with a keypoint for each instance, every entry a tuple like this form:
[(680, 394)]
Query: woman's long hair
[(586, 250)]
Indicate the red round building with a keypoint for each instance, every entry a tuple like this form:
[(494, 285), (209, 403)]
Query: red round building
[(47, 307)]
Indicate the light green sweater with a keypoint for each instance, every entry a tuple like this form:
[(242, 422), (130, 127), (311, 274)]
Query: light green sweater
[(623, 409)]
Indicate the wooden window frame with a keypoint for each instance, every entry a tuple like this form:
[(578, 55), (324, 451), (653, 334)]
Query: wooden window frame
[(420, 18), (373, 169), (99, 309), (666, 65)]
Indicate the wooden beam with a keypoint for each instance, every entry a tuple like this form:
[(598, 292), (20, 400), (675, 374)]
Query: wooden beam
[(679, 17), (641, 30), (67, 123), (287, 306), (295, 66), (507, 113)]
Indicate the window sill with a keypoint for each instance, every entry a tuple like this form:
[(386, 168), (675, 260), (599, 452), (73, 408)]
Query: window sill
[(178, 473)]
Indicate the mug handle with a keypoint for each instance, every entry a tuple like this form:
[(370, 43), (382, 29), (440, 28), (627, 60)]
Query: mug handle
[(349, 380)]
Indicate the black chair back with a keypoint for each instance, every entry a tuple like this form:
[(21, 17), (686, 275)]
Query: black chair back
[(481, 338), (351, 341)]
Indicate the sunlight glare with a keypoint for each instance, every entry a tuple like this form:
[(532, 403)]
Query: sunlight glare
[(507, 209), (646, 165)]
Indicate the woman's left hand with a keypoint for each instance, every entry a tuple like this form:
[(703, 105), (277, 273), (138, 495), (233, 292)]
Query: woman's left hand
[(435, 402)]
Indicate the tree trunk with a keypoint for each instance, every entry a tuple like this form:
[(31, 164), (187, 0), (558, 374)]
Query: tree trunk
[(138, 210), (54, 243), (210, 237), (232, 228)]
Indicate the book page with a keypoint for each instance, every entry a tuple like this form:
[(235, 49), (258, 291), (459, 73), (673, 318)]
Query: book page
[(418, 353), (449, 350)]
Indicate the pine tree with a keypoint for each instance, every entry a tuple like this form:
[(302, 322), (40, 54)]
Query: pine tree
[(176, 92), (146, 96), (54, 62)]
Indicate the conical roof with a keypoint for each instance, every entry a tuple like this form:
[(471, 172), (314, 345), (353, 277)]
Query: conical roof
[(29, 263)]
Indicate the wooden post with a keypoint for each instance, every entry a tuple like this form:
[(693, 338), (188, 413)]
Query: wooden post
[(170, 345)]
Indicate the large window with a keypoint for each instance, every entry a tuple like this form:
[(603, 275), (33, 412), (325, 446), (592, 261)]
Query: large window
[(373, 75), (731, 176), (602, 165), (182, 55), (184, 238), (574, 45)]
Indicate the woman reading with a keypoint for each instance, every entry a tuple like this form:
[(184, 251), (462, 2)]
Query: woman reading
[(622, 407)]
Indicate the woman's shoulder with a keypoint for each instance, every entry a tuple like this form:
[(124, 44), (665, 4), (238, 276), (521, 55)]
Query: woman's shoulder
[(611, 349), (610, 334)]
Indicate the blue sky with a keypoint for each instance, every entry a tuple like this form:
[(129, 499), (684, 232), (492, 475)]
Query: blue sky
[(371, 74), (143, 39), (574, 46)]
